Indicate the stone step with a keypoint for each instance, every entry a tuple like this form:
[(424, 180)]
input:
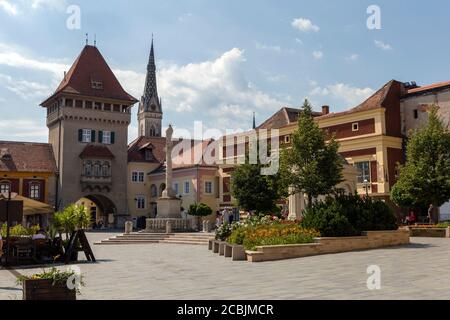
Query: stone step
[(200, 243), (171, 238)]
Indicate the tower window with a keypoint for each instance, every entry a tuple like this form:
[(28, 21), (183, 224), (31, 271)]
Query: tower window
[(98, 85), (86, 135), (355, 126), (416, 114)]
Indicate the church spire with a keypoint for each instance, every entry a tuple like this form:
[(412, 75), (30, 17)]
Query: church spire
[(150, 97)]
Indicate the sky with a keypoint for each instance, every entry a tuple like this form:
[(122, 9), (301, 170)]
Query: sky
[(219, 61)]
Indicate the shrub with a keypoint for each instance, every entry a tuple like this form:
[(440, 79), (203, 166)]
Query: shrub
[(348, 215), (199, 210), (19, 231), (443, 225)]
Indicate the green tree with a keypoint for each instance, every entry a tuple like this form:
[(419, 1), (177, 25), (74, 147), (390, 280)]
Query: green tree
[(313, 165), (425, 177), (254, 191), (199, 210)]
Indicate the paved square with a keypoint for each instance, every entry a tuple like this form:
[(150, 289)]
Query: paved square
[(171, 271)]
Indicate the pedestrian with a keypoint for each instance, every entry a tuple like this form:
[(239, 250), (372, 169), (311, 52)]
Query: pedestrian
[(430, 213), (226, 216), (218, 219)]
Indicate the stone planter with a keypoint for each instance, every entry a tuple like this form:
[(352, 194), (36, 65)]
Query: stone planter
[(430, 232), (369, 240), (45, 290)]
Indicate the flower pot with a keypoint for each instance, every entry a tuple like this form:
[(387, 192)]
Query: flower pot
[(45, 290)]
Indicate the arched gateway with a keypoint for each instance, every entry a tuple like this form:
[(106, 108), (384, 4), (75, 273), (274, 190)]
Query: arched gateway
[(100, 207), (88, 118)]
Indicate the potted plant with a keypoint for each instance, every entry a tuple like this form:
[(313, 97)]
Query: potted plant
[(51, 285)]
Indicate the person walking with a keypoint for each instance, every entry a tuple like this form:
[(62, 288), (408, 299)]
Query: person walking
[(430, 213)]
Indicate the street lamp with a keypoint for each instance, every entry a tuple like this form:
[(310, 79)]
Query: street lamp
[(366, 186), (8, 196)]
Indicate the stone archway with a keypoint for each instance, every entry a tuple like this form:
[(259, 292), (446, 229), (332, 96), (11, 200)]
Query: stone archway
[(102, 208)]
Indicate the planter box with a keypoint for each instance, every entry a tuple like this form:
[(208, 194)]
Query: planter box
[(235, 252), (369, 240), (430, 232), (44, 290)]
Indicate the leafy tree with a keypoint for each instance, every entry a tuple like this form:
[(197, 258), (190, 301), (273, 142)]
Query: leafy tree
[(254, 191), (71, 218), (199, 210), (312, 165), (425, 178)]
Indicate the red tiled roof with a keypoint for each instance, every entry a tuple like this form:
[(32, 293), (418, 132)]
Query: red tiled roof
[(27, 157), (91, 66), (430, 87), (95, 151), (136, 150), (283, 117), (375, 101)]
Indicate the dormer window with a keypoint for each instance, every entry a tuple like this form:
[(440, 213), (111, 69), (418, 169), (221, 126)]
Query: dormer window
[(148, 154), (5, 155), (98, 85)]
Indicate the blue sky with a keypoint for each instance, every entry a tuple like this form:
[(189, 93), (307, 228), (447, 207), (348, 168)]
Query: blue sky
[(218, 61)]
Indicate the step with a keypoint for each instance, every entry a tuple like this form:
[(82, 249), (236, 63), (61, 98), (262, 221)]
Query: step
[(183, 242)]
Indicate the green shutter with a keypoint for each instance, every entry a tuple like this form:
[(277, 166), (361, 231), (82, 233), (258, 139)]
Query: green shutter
[(80, 135), (100, 136), (113, 137), (92, 135)]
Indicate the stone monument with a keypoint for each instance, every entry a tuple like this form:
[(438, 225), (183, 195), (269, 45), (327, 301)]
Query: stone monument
[(169, 206)]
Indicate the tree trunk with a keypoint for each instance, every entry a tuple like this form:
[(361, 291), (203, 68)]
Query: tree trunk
[(310, 199)]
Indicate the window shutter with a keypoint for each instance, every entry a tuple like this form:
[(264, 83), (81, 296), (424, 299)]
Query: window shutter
[(92, 135), (80, 135), (100, 136), (113, 137)]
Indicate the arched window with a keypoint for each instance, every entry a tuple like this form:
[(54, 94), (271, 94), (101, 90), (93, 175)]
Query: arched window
[(5, 187), (88, 168), (105, 169), (152, 131), (35, 190), (97, 169), (153, 191)]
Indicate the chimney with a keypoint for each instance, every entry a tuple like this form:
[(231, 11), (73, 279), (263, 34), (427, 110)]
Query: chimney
[(325, 110)]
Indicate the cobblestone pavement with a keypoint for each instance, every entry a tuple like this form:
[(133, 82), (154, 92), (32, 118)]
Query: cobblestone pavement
[(170, 271)]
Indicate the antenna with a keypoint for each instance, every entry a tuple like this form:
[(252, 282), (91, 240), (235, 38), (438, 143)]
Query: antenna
[(95, 39), (87, 38)]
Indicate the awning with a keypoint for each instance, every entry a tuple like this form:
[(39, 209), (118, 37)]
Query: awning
[(33, 207)]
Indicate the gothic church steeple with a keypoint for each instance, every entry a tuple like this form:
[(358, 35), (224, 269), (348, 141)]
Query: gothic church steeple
[(150, 110)]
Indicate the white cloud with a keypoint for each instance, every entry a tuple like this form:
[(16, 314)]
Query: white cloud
[(262, 46), (24, 89), (299, 41), (383, 46), (317, 55), (215, 91), (304, 25), (8, 7), (23, 129), (352, 57), (51, 4), (184, 17), (13, 57), (345, 93)]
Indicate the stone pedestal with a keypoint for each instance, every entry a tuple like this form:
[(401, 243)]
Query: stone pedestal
[(128, 227), (169, 208), (296, 206)]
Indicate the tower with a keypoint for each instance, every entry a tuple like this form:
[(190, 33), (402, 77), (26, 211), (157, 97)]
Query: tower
[(88, 117), (150, 111)]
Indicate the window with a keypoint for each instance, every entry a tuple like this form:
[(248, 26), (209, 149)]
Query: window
[(355, 126), (97, 85), (187, 187), (105, 169), (363, 171), (137, 176), (287, 139), (87, 136), (106, 137), (5, 187), (140, 202), (416, 114), (208, 187), (175, 188), (35, 189), (97, 169), (87, 169), (148, 154)]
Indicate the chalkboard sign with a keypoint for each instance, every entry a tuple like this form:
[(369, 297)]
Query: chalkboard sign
[(78, 237), (15, 210)]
